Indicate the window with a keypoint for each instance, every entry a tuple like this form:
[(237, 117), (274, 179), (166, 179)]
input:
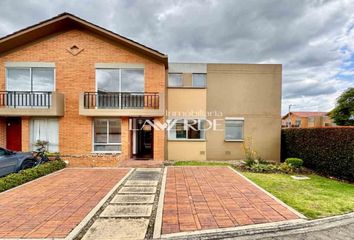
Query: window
[(298, 122), (234, 129), (311, 119), (45, 129), (199, 80), (107, 135), (127, 84), (120, 80), (187, 129), (30, 79), (132, 80), (175, 80)]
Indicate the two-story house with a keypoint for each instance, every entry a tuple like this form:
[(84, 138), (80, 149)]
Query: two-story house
[(307, 119), (89, 92)]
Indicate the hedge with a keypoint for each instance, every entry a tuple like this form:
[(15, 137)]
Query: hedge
[(15, 179), (327, 150)]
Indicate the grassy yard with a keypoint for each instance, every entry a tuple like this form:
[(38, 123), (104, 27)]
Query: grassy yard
[(316, 197)]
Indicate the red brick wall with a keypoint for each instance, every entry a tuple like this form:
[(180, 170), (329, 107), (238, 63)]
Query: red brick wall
[(76, 74)]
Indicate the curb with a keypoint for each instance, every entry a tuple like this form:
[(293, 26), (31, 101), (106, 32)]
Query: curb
[(158, 219), (267, 230)]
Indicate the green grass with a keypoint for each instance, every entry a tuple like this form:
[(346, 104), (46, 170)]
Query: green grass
[(315, 198), (196, 163)]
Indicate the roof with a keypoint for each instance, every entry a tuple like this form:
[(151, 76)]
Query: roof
[(307, 114), (67, 21)]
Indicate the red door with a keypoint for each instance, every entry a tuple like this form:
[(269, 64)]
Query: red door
[(13, 134)]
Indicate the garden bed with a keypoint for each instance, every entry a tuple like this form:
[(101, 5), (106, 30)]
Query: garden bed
[(16, 179)]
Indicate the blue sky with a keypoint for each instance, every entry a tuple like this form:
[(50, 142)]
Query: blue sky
[(314, 40)]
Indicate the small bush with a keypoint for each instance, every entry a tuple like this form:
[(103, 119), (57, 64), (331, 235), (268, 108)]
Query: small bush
[(262, 168), (285, 168), (16, 179), (249, 162), (294, 162)]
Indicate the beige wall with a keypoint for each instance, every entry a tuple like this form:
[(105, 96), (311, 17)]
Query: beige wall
[(187, 150), (186, 100), (251, 91)]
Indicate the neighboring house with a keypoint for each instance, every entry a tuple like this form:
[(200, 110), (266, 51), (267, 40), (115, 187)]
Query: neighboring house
[(307, 119), (90, 93)]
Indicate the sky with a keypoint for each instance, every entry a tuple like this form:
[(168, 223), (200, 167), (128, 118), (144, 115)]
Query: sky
[(313, 40)]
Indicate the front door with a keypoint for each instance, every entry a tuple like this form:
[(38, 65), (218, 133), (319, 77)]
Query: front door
[(142, 139), (13, 134)]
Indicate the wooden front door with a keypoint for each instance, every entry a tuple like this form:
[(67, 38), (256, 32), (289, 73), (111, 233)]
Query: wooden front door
[(13, 134)]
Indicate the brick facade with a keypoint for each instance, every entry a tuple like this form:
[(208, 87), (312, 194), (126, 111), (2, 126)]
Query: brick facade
[(75, 75)]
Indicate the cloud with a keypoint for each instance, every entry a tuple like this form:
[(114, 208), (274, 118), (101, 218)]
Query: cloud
[(314, 40)]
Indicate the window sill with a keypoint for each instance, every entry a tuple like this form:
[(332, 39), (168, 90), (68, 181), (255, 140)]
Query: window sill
[(107, 152), (236, 140), (187, 140), (187, 87)]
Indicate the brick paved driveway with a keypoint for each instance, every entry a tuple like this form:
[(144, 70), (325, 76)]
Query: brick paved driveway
[(199, 198), (53, 206)]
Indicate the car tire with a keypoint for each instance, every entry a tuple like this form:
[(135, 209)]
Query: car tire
[(28, 163)]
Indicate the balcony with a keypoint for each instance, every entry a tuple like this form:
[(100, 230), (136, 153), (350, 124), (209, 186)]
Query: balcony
[(121, 104), (29, 103)]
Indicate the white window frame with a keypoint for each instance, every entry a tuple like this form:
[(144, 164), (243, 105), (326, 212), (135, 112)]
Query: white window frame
[(30, 67), (241, 119), (93, 135), (168, 80), (179, 120), (112, 67), (205, 83)]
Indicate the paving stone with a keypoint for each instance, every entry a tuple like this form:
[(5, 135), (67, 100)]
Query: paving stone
[(141, 183), (117, 229), (145, 175), (138, 190), (133, 199), (149, 169), (127, 211)]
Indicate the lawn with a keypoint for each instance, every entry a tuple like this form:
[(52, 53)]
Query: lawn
[(315, 198)]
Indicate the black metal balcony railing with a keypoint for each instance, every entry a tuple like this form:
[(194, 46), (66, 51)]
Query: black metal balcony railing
[(121, 100), (25, 99)]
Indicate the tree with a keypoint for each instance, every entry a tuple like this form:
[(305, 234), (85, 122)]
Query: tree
[(343, 113)]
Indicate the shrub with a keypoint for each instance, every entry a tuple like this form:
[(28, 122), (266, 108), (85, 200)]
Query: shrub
[(250, 153), (329, 150), (249, 162), (294, 162), (285, 168), (15, 179), (261, 168)]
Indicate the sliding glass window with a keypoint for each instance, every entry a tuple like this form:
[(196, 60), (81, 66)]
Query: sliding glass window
[(29, 87), (120, 88)]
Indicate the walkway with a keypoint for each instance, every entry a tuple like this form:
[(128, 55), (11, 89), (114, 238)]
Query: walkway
[(199, 198), (52, 206), (130, 213)]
